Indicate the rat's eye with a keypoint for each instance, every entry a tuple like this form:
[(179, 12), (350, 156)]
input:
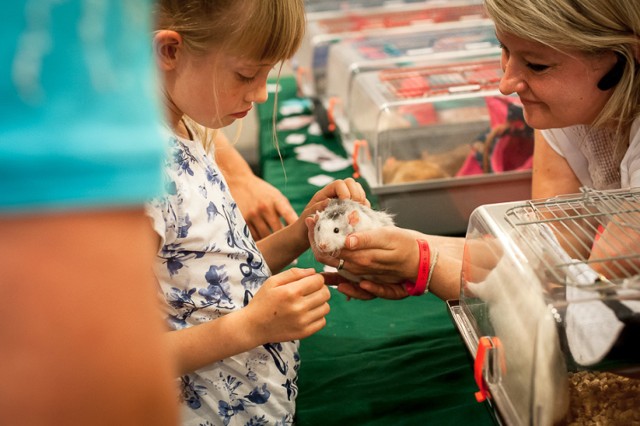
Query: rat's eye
[(336, 230)]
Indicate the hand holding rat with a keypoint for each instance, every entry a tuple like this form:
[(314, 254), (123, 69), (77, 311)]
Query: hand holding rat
[(385, 257), (341, 218), (389, 256)]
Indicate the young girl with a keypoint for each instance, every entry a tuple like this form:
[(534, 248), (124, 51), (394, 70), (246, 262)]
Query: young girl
[(235, 324)]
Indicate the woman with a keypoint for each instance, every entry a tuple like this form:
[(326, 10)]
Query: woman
[(575, 67)]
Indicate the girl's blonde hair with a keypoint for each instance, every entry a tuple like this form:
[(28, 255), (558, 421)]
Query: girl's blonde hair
[(589, 26), (266, 31), (262, 30)]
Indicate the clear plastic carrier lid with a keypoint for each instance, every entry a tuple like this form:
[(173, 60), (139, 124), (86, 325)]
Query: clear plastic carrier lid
[(436, 123), (325, 29), (439, 44), (314, 7)]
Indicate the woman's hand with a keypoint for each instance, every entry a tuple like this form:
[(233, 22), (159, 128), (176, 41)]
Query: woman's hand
[(387, 256), (365, 290), (390, 256), (264, 208), (615, 249)]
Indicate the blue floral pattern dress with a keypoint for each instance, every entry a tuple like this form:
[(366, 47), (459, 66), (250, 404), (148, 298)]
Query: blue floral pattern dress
[(208, 266)]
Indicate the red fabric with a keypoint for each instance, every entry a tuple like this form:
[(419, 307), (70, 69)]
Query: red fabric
[(511, 145)]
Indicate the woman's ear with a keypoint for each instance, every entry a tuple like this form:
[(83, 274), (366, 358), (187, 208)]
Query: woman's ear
[(166, 44)]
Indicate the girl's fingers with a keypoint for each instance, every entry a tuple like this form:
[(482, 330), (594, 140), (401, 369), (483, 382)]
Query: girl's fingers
[(356, 191), (320, 310), (310, 285), (316, 326), (294, 275)]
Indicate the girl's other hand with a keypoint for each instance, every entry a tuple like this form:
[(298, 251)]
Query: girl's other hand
[(290, 305), (342, 189)]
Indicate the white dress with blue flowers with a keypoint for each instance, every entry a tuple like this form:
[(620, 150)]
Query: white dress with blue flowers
[(208, 266)]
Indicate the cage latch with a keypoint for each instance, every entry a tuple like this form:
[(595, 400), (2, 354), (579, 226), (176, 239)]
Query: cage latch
[(358, 144), (334, 102), (488, 365)]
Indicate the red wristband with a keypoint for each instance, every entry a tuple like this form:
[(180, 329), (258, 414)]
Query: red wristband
[(419, 287)]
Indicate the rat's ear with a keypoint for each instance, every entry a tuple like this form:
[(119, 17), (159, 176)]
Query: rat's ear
[(166, 45), (354, 218)]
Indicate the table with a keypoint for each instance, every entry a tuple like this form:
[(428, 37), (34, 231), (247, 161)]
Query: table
[(376, 362)]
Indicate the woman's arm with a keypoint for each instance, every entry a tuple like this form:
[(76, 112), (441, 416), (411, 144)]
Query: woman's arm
[(263, 206), (390, 255), (552, 174)]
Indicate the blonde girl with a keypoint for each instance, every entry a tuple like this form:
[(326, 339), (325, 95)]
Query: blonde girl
[(235, 326)]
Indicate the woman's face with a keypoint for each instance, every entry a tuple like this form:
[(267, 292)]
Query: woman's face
[(216, 89), (557, 89)]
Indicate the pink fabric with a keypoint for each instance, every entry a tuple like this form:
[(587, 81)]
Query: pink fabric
[(513, 149)]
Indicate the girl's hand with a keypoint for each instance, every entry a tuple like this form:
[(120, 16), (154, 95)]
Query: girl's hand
[(342, 189), (290, 305), (282, 247)]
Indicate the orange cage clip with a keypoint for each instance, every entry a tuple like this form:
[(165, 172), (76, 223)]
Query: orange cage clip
[(486, 345), (357, 144)]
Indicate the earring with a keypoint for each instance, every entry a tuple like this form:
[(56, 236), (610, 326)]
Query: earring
[(613, 76)]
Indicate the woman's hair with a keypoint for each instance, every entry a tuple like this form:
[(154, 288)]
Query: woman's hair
[(266, 31), (589, 26)]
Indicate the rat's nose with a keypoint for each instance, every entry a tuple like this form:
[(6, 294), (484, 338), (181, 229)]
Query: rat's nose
[(322, 246)]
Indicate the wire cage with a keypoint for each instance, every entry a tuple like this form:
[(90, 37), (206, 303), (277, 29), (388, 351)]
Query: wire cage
[(549, 308), (578, 238)]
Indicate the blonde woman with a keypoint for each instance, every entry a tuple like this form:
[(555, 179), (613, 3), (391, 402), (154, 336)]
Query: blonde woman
[(575, 66)]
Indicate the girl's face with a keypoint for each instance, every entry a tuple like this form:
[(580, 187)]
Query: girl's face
[(557, 89), (216, 89)]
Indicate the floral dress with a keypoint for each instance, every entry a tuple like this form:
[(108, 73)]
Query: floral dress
[(208, 266)]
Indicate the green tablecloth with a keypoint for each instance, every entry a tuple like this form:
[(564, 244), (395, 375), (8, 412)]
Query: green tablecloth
[(377, 362)]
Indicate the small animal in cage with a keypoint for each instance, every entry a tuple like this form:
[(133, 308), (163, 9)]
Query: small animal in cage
[(429, 166)]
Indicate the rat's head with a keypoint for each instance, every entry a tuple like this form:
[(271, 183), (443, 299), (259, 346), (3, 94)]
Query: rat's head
[(333, 225)]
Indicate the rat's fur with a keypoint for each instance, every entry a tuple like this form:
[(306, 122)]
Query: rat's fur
[(341, 218)]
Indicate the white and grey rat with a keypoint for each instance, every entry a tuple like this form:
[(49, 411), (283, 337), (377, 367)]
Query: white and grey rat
[(342, 217)]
